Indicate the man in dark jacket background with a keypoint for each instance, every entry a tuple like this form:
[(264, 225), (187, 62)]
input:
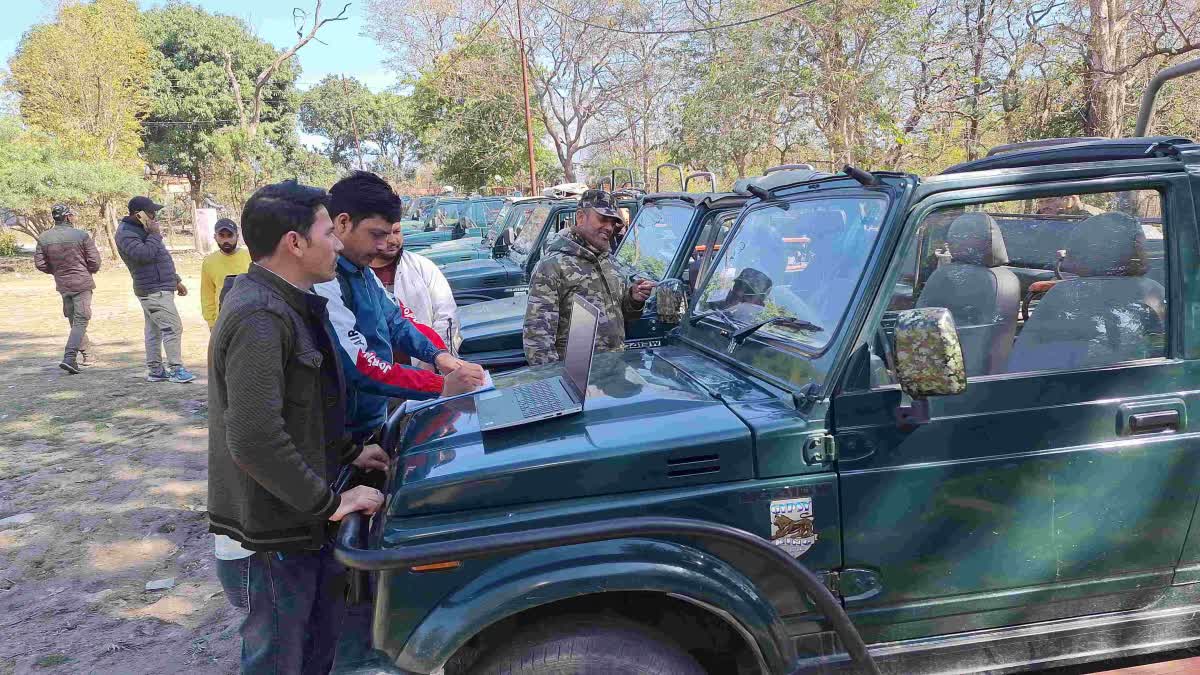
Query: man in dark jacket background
[(155, 283), (71, 256), (276, 438)]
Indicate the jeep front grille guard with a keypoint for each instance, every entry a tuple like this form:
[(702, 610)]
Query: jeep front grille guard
[(350, 554)]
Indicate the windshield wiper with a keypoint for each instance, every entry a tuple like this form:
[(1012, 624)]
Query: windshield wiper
[(789, 321), (717, 312)]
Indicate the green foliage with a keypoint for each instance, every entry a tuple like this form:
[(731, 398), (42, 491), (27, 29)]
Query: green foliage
[(194, 107), (470, 118), (38, 171), (8, 243), (83, 79)]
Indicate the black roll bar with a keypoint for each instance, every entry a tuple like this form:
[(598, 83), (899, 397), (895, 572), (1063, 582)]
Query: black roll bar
[(658, 176), (712, 180), (613, 178), (348, 552), (1147, 110)]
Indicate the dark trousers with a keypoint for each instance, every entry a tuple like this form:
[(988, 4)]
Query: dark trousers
[(294, 606), (77, 307)]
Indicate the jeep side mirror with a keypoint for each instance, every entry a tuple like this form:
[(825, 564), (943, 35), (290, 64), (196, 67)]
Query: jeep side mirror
[(929, 361), (670, 298)]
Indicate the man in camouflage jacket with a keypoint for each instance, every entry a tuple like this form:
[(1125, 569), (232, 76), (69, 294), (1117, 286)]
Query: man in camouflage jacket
[(579, 262)]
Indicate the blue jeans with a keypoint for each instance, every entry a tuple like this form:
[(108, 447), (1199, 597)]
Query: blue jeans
[(294, 606)]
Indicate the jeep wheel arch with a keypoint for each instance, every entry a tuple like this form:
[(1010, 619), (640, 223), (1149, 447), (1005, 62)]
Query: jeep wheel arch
[(598, 571)]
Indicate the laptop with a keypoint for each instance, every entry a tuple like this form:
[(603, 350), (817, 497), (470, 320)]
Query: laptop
[(553, 397)]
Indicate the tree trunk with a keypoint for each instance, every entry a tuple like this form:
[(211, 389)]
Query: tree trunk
[(108, 221), (1106, 70), (196, 188)]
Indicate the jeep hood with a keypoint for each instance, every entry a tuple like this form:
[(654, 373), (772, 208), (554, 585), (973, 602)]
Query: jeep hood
[(456, 245), (484, 321), (645, 426), (470, 269)]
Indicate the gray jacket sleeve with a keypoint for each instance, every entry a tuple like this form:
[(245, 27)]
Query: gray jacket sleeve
[(255, 431)]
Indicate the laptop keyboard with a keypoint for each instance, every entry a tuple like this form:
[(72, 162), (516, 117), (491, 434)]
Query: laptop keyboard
[(537, 398)]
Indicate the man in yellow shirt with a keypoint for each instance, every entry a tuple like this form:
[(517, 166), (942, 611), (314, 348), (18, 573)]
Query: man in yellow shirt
[(227, 260)]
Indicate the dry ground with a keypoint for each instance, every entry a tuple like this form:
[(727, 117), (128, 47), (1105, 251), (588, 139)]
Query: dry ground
[(113, 470)]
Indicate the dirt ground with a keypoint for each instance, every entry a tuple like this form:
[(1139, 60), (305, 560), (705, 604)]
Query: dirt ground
[(112, 470)]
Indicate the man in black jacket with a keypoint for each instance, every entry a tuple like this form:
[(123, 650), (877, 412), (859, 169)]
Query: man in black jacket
[(155, 283), (277, 438)]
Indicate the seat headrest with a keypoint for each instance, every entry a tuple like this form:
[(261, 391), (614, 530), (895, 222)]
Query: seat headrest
[(975, 239), (1107, 245)]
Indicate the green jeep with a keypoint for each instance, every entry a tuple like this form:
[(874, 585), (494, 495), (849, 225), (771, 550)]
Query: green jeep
[(515, 253), (962, 403), (468, 220), (511, 217)]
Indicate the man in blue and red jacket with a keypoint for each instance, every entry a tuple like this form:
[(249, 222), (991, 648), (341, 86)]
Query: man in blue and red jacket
[(370, 329)]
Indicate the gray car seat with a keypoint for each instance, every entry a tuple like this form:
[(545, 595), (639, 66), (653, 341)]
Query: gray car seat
[(981, 293), (1110, 313)]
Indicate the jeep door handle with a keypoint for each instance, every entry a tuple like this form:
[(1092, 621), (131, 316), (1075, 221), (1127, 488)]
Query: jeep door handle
[(1154, 422)]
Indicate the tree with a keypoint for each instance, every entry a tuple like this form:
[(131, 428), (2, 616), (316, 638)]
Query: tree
[(469, 116), (1118, 39), (573, 71), (192, 101), (83, 80), (37, 171)]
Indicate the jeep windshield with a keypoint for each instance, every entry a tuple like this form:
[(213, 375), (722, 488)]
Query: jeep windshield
[(800, 261), (445, 214), (528, 226), (654, 238)]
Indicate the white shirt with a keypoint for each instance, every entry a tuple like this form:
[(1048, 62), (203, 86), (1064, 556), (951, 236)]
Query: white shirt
[(422, 288)]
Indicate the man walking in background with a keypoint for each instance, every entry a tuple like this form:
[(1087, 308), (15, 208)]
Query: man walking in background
[(71, 256), (420, 288), (227, 260), (140, 243)]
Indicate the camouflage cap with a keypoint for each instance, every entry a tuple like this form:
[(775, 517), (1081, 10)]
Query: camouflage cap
[(60, 211), (602, 202)]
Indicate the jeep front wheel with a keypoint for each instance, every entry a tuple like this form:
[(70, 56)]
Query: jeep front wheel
[(589, 646)]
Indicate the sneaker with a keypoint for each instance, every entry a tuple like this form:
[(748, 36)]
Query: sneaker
[(68, 364), (84, 359), (180, 375), (157, 375)]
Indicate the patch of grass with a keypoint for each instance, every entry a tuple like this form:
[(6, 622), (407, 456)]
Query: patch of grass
[(52, 660)]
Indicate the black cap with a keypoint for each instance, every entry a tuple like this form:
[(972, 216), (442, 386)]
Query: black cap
[(227, 225), (602, 202), (143, 204)]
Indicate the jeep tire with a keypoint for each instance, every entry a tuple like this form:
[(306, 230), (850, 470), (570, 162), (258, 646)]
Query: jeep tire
[(589, 646)]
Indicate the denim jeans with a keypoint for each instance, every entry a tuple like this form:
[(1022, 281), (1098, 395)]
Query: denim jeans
[(294, 606)]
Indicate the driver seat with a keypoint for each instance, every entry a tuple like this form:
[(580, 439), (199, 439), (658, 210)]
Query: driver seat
[(981, 293)]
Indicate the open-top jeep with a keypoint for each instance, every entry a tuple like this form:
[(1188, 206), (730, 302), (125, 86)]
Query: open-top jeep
[(672, 237), (965, 403)]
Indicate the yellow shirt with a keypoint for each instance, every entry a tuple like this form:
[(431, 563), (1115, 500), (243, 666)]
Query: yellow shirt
[(213, 270)]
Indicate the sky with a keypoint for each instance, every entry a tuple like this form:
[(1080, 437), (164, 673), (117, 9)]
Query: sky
[(347, 52)]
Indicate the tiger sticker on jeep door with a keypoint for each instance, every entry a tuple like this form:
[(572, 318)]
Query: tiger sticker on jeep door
[(792, 525)]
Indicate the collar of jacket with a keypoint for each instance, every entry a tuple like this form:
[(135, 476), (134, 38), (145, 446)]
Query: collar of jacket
[(304, 303), (573, 236), (344, 265), (132, 221)]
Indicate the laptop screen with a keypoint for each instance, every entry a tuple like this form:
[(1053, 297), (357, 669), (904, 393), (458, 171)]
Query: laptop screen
[(581, 340)]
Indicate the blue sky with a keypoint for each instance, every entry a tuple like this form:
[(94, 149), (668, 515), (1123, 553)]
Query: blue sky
[(347, 52)]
